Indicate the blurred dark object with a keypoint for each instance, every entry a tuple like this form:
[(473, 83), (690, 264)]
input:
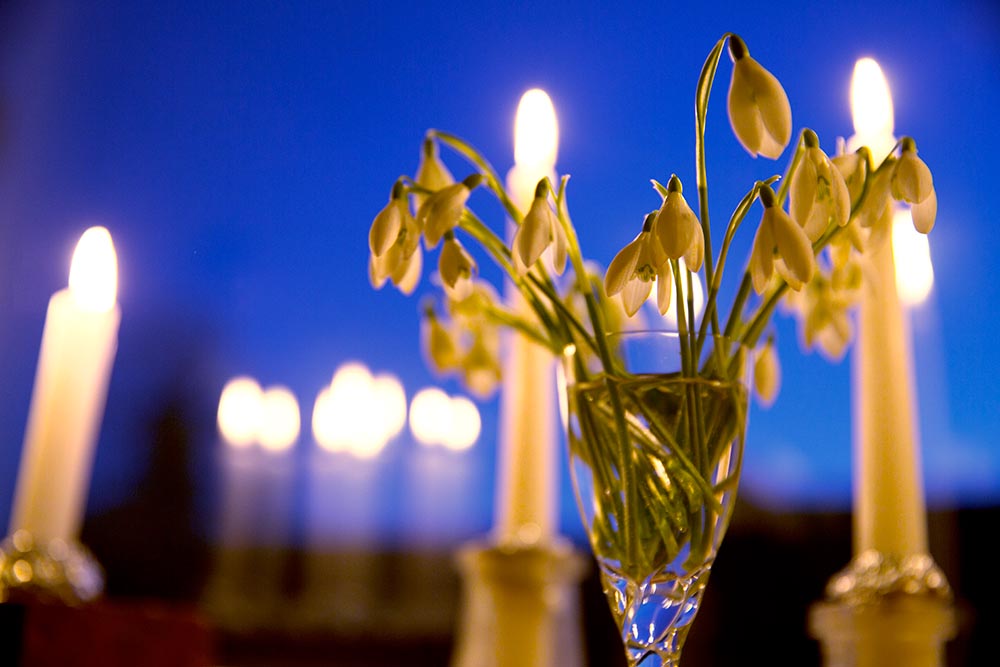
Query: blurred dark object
[(149, 547), (104, 634)]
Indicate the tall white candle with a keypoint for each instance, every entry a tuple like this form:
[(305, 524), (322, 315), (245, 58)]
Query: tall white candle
[(528, 483), (67, 405), (889, 507)]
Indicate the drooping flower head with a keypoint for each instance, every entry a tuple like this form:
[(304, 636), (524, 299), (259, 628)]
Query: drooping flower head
[(538, 231), (818, 196), (758, 106), (766, 373), (456, 268), (853, 167), (823, 310), (780, 243), (394, 242), (439, 343), (441, 211), (431, 171), (402, 264), (480, 366), (389, 221), (912, 183), (635, 267), (677, 228)]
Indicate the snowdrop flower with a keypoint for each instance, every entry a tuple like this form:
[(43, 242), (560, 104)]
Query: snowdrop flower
[(758, 106), (431, 172), (818, 195), (827, 323), (635, 267), (767, 373), (481, 364), (389, 221), (677, 228), (401, 262), (912, 183), (779, 232), (396, 265), (877, 202), (539, 230), (456, 268), (853, 167), (441, 211), (442, 349)]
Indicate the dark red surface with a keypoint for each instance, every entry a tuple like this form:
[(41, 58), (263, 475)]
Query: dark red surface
[(104, 634)]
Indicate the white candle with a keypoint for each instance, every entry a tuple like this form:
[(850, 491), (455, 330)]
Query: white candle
[(67, 405), (890, 513), (528, 483)]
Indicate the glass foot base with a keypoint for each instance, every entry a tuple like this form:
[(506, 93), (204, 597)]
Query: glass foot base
[(54, 570)]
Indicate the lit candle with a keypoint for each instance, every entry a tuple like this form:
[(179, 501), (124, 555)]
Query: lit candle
[(890, 514), (77, 351), (526, 507)]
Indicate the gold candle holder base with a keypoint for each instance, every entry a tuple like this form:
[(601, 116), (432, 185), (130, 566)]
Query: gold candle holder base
[(883, 610), (53, 570), (520, 605)]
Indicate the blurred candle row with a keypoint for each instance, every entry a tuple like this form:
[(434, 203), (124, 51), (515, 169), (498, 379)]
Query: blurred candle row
[(358, 413)]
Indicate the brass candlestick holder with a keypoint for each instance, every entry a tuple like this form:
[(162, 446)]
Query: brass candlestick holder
[(51, 570), (885, 610)]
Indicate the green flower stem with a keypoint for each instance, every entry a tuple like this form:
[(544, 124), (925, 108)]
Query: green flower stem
[(736, 310), (629, 521), (734, 315), (493, 180), (498, 250), (571, 319), (734, 223), (507, 318), (702, 94)]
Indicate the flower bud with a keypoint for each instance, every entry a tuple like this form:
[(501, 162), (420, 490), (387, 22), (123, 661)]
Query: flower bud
[(759, 111), (431, 172), (536, 232), (677, 228), (766, 374), (818, 195), (442, 210), (456, 268)]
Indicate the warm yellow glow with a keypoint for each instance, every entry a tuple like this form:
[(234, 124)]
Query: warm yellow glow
[(359, 413), (871, 108), (239, 411), (280, 419), (389, 400), (325, 425), (348, 410), (93, 272), (698, 295), (912, 254), (430, 416), (536, 132), (465, 425)]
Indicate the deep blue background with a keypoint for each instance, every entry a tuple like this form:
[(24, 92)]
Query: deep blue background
[(238, 152)]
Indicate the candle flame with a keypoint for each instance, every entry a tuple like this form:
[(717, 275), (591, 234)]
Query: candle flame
[(871, 108), (93, 273), (536, 132)]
